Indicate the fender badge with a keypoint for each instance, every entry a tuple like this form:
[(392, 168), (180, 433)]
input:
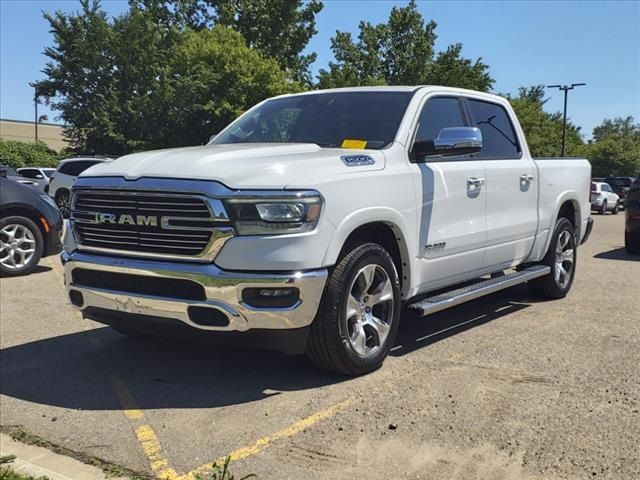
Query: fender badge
[(357, 160)]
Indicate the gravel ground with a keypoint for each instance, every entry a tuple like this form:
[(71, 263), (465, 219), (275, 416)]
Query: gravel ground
[(503, 388)]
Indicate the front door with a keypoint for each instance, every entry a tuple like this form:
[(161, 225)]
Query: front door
[(453, 234)]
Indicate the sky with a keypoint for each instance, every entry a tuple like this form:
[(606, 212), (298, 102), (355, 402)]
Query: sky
[(524, 43)]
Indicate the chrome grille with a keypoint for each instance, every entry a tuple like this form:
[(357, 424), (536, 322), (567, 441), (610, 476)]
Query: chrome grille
[(148, 223)]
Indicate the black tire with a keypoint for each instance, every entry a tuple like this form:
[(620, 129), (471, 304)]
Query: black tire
[(632, 243), (63, 201), (550, 286), (616, 208), (329, 346), (6, 269), (603, 208)]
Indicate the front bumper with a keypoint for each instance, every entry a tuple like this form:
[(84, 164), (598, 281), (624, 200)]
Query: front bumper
[(222, 289)]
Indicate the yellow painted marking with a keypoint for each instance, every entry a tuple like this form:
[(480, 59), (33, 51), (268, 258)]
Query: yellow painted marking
[(144, 433), (352, 143), (148, 439), (264, 442)]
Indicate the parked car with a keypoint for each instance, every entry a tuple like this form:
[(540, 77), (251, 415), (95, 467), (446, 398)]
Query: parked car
[(311, 221), (621, 186), (39, 175), (11, 173), (66, 173), (604, 199), (632, 217), (30, 228)]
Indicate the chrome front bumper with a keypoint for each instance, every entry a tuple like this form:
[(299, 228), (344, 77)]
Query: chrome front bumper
[(223, 290)]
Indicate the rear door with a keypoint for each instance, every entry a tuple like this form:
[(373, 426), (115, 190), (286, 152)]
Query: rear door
[(452, 225), (511, 188)]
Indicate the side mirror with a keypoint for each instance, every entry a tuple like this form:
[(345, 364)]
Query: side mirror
[(38, 176), (451, 141)]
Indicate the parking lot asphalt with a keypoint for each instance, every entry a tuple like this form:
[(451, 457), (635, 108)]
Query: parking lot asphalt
[(507, 387)]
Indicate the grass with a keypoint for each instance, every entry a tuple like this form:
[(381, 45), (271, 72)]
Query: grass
[(221, 472), (7, 474), (110, 469)]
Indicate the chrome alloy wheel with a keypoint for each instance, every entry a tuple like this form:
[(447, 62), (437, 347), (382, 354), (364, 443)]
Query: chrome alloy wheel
[(369, 310), (565, 260), (17, 246)]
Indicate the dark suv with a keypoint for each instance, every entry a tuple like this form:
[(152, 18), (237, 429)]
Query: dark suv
[(632, 215), (620, 186)]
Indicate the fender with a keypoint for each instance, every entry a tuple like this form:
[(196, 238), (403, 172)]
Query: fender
[(404, 236)]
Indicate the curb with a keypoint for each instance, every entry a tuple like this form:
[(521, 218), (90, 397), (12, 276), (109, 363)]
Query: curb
[(39, 461)]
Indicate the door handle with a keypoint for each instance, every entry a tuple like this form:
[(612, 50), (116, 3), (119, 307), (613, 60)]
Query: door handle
[(526, 178), (475, 182)]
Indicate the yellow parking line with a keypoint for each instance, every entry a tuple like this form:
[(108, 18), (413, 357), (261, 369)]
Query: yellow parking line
[(264, 442), (144, 433), (148, 439)]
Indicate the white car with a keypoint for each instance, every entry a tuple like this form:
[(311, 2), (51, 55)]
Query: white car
[(314, 219), (65, 174), (604, 199), (40, 175)]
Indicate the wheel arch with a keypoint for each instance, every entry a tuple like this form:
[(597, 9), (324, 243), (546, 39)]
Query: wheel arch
[(384, 228)]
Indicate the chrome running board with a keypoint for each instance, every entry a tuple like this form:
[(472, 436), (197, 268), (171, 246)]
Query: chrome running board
[(452, 298)]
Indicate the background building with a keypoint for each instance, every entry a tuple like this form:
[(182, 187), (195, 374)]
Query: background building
[(49, 133)]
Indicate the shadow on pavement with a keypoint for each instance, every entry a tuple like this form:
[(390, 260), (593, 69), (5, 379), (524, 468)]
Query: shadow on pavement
[(68, 371), (416, 333), (619, 253)]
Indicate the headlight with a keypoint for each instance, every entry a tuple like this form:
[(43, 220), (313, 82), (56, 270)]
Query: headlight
[(275, 215)]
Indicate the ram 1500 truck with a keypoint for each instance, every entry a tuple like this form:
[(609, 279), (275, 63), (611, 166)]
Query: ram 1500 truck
[(313, 220)]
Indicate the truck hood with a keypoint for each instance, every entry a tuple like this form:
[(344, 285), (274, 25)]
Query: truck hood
[(254, 165)]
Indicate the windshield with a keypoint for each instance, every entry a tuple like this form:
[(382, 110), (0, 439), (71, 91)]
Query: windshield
[(360, 119), (49, 171)]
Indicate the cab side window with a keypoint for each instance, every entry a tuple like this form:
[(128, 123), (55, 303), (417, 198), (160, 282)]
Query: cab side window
[(439, 113), (499, 139)]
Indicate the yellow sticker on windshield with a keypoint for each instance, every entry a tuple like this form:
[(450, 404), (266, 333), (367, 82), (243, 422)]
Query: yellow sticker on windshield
[(349, 143)]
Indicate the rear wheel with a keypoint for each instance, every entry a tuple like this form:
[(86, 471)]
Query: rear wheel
[(632, 242), (359, 313), (616, 208), (603, 208), (21, 246), (561, 257)]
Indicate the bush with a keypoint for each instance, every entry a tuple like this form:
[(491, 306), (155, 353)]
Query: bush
[(21, 154)]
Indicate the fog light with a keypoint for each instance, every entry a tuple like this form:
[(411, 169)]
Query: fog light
[(271, 297), (76, 298)]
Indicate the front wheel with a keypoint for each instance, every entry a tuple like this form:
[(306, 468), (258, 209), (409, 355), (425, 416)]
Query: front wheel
[(358, 318), (561, 257), (21, 246), (603, 208), (616, 208), (63, 200)]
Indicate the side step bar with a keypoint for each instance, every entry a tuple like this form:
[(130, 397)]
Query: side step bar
[(471, 292)]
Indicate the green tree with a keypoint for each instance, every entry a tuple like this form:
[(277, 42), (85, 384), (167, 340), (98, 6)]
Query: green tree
[(543, 130), (615, 148), (126, 84), (400, 52), (278, 29)]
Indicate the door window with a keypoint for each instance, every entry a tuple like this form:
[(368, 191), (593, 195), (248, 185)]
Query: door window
[(439, 113), (499, 139), (29, 173)]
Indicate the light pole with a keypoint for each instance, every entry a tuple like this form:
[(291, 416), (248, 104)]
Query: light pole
[(35, 103), (565, 89)]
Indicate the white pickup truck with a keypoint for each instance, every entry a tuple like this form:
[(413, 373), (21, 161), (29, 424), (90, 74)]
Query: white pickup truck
[(314, 220)]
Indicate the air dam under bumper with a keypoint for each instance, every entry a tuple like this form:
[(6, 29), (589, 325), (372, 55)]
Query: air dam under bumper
[(165, 298)]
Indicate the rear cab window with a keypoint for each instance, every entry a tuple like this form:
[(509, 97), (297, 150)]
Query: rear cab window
[(499, 138)]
